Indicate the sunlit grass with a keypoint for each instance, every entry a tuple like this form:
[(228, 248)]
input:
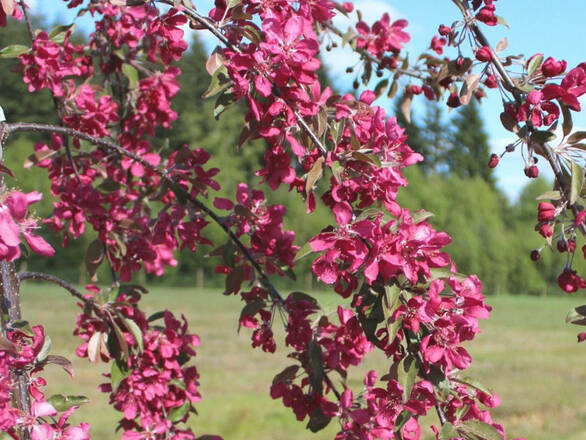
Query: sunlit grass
[(526, 353)]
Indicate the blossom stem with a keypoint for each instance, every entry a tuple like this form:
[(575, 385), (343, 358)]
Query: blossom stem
[(29, 27)]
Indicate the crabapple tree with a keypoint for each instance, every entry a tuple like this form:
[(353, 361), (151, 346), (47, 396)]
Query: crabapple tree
[(400, 292)]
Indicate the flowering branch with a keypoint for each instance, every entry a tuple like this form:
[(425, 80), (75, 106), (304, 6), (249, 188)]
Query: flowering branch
[(15, 127)]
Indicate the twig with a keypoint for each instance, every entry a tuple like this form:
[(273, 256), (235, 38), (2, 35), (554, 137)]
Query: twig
[(39, 276), (24, 7)]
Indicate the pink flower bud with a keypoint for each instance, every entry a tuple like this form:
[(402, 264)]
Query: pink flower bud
[(491, 82), (551, 67), (444, 30), (535, 255), (487, 16), (545, 230), (494, 161), (348, 6), (545, 212), (532, 172), (484, 54), (454, 100)]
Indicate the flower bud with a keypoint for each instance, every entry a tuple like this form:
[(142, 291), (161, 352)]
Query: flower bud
[(494, 161), (545, 212), (484, 54), (545, 230), (444, 30), (551, 67), (532, 172), (535, 255)]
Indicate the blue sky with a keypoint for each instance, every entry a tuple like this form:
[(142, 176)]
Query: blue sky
[(553, 28)]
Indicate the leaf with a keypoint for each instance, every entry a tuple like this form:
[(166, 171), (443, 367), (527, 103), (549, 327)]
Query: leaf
[(225, 100), (317, 370), (393, 89), (231, 3), (24, 327), (8, 346), (577, 316), (219, 82), (443, 272), (302, 296), (381, 87), (94, 256), (577, 182), (550, 195), (541, 137), (181, 194), (501, 45), (214, 62), (156, 315), (447, 432), (472, 383), (131, 73), (577, 137), (7, 6), (93, 347), (389, 305), (469, 85), (177, 414), (406, 107), (135, 331), (62, 403), (480, 429), (421, 216), (407, 372), (37, 157), (62, 362), (502, 21), (318, 421), (118, 372), (108, 186), (45, 349), (534, 64), (234, 280), (57, 35), (287, 375), (314, 174), (5, 170), (567, 124), (252, 308), (13, 51), (509, 122)]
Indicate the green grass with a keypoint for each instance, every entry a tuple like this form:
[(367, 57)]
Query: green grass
[(526, 353)]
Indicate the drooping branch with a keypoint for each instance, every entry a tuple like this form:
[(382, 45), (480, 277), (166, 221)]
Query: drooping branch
[(39, 276), (518, 95), (15, 127)]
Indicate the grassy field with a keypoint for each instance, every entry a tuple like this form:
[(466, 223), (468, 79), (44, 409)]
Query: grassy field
[(526, 353)]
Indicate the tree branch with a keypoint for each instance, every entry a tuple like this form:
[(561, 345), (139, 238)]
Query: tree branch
[(15, 127)]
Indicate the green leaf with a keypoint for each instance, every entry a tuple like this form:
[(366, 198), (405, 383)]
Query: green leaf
[(448, 432), (480, 429), (252, 308), (302, 296), (62, 403), (181, 194), (24, 327), (13, 51), (219, 82), (502, 21), (177, 414), (45, 349), (420, 216), (472, 383), (317, 421), (225, 100), (108, 186), (577, 182), (407, 372), (303, 251), (118, 372), (156, 315), (134, 331), (444, 272), (131, 73), (541, 137), (567, 124), (389, 304), (57, 35), (534, 64)]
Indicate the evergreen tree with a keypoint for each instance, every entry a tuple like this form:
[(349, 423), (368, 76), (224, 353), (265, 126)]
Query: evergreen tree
[(470, 152)]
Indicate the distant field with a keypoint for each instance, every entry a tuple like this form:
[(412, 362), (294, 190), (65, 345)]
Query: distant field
[(526, 353)]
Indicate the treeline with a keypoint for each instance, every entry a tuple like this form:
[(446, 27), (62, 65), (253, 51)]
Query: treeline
[(491, 236)]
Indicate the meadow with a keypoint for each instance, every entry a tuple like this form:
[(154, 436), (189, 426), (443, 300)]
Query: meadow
[(526, 353)]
